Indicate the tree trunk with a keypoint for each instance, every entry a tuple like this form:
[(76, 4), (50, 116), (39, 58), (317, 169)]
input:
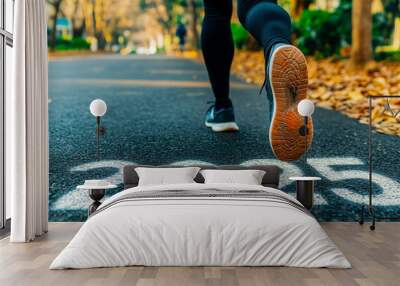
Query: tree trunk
[(75, 28), (396, 34), (298, 6), (94, 18), (361, 47), (193, 10), (57, 6)]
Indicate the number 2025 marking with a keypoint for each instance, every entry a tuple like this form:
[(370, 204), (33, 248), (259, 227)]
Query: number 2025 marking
[(327, 167)]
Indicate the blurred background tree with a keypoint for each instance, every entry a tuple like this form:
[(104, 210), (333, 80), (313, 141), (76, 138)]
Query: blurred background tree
[(361, 46), (298, 6), (360, 29), (55, 5)]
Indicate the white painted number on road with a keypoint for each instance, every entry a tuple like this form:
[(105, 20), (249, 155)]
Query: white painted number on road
[(327, 167), (388, 196)]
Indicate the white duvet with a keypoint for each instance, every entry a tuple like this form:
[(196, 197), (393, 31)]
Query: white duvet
[(200, 231)]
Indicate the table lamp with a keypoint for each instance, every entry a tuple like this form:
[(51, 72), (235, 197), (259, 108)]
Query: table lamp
[(305, 108)]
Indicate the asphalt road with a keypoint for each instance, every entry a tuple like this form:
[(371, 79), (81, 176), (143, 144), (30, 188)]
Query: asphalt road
[(155, 115)]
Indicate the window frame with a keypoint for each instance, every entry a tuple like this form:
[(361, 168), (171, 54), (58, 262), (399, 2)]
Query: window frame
[(6, 39)]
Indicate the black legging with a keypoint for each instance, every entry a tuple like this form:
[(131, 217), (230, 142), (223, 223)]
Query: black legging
[(265, 20)]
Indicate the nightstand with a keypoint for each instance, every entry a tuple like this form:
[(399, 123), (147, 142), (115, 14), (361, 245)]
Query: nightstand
[(305, 190), (97, 189)]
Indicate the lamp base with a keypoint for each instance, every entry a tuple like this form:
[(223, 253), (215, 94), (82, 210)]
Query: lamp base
[(96, 195)]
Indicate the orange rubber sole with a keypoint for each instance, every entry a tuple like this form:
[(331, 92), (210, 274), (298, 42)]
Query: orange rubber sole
[(289, 81)]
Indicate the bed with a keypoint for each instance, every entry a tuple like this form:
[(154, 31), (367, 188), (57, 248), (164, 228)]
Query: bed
[(197, 224)]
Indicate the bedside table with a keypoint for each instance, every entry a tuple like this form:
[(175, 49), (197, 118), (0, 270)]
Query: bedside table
[(97, 190), (305, 190)]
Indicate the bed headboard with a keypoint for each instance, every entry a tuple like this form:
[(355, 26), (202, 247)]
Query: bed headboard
[(271, 177)]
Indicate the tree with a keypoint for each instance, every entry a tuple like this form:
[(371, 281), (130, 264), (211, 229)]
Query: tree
[(163, 10), (392, 10), (195, 16), (57, 7), (167, 13), (78, 22), (361, 47), (94, 18), (298, 6)]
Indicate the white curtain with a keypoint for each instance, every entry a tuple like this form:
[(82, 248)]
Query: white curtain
[(27, 124)]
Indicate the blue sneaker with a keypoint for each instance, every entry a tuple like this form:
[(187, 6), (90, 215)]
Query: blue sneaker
[(221, 120), (286, 85)]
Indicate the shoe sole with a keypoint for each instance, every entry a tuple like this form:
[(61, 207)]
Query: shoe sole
[(288, 69), (223, 127)]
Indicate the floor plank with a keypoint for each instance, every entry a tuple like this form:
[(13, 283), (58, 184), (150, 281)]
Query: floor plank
[(375, 257)]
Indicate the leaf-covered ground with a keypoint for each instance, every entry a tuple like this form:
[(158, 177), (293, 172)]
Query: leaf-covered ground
[(333, 85)]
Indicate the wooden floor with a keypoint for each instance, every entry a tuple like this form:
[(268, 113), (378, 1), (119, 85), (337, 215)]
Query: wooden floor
[(375, 257)]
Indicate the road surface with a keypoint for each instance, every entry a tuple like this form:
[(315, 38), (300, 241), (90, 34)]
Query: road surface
[(156, 107)]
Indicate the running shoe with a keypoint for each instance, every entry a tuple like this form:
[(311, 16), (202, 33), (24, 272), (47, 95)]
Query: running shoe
[(221, 119), (286, 84)]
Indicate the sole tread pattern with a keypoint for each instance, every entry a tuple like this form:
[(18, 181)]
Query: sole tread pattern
[(289, 71)]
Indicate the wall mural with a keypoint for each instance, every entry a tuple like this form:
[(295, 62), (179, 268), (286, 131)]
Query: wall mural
[(156, 105), (153, 120)]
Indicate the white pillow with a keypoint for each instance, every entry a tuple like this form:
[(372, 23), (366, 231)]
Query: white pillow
[(165, 176), (248, 177)]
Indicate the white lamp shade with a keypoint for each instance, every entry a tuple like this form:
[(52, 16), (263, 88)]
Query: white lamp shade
[(305, 107), (98, 107)]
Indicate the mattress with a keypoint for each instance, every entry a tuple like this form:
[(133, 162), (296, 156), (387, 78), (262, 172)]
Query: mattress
[(201, 225)]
